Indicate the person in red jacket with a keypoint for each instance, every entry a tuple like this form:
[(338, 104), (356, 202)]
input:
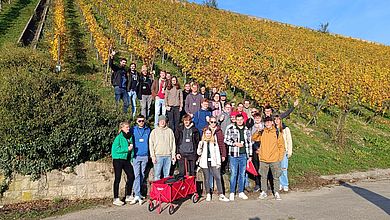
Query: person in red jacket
[(240, 111)]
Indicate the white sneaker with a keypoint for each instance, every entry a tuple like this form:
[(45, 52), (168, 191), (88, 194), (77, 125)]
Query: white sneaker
[(231, 197), (129, 198), (285, 188), (277, 196), (242, 196), (208, 197), (263, 195), (140, 201), (118, 202), (135, 200), (223, 198), (280, 187)]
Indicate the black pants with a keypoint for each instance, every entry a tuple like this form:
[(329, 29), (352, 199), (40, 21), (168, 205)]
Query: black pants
[(256, 164), (173, 117), (125, 165), (190, 165)]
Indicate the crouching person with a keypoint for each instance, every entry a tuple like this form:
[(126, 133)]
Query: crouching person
[(210, 162), (271, 153)]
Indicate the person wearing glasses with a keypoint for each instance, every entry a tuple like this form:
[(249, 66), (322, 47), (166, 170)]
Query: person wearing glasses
[(224, 117), (140, 134)]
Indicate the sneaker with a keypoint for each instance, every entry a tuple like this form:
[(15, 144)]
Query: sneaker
[(223, 198), (208, 197), (280, 187), (256, 189), (129, 198), (277, 196), (118, 202), (135, 200), (285, 188), (140, 201), (242, 196), (231, 197), (263, 195)]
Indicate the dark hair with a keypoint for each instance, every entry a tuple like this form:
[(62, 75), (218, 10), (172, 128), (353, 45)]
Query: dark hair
[(227, 103), (247, 100), (186, 117), (215, 95), (141, 116), (257, 114), (133, 64), (170, 85), (268, 106), (240, 103), (268, 118), (239, 116), (123, 59)]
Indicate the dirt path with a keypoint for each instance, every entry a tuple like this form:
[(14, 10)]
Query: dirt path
[(361, 200)]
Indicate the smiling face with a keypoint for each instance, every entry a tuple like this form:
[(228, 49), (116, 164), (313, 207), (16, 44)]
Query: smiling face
[(125, 128), (187, 87), (240, 120), (174, 80), (208, 134), (213, 122), (132, 67), (240, 107), (269, 124)]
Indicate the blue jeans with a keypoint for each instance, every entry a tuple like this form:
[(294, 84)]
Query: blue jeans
[(283, 166), (132, 99), (237, 169), (164, 163), (139, 165), (158, 103), (120, 93)]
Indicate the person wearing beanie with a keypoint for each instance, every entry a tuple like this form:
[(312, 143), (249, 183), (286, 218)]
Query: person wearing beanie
[(162, 148)]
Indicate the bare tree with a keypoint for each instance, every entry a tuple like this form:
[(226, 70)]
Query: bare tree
[(324, 28), (211, 3)]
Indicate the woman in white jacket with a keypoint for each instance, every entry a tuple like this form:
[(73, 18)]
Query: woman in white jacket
[(210, 162), (285, 131)]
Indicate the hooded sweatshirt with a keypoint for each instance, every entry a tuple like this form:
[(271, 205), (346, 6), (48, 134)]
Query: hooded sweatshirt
[(162, 142)]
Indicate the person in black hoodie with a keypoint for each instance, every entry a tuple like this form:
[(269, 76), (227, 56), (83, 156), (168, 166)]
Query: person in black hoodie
[(132, 86), (145, 92), (187, 140), (119, 80)]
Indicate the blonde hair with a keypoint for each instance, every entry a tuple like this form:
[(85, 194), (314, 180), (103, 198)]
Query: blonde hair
[(204, 138), (121, 125)]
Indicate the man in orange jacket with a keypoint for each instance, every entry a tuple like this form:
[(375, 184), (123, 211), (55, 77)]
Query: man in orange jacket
[(270, 154)]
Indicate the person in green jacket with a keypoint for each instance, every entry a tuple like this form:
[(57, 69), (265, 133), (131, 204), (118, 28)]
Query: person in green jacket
[(120, 151)]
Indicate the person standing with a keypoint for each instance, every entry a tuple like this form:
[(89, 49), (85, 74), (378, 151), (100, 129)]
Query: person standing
[(162, 148), (145, 92), (270, 153), (202, 116), (187, 140), (119, 79), (186, 91), (283, 129), (132, 86), (238, 138), (256, 129), (240, 110), (210, 162), (247, 108), (120, 153), (140, 136), (223, 98), (193, 100), (215, 105), (158, 94), (173, 102), (224, 117)]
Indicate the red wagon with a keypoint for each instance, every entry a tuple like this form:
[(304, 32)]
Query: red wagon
[(169, 189)]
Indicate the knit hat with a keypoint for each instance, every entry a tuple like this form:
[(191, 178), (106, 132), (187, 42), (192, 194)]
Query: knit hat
[(162, 117)]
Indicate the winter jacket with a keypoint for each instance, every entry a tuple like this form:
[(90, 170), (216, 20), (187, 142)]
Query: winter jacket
[(132, 83), (271, 146), (117, 74), (195, 137), (120, 147), (215, 156), (220, 140), (162, 142), (144, 86)]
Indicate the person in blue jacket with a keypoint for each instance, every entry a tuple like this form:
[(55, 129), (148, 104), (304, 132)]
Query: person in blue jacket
[(202, 116), (120, 152), (140, 136)]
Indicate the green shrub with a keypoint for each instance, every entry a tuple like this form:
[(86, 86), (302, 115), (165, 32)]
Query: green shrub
[(48, 121)]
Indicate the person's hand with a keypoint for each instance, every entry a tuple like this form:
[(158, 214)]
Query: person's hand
[(154, 160), (221, 118), (130, 147), (192, 115), (207, 118), (168, 108), (180, 109), (223, 159), (238, 144), (113, 53), (257, 151), (296, 102), (178, 156)]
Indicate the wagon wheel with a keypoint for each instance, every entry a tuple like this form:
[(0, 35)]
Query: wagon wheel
[(195, 198), (151, 206), (171, 209), (159, 204)]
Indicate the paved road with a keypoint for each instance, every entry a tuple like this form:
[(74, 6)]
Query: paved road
[(363, 200)]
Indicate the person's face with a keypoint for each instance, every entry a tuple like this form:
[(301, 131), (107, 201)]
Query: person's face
[(144, 71), (277, 121), (132, 67), (246, 104), (205, 105), (208, 134), (240, 107), (233, 119), (168, 76), (223, 98), (257, 120), (123, 63), (194, 88), (240, 121), (202, 89), (187, 123), (216, 98), (126, 128), (140, 122), (174, 81), (214, 90), (233, 104), (213, 122), (268, 124), (268, 112), (162, 75), (187, 87), (228, 108), (162, 123), (253, 111)]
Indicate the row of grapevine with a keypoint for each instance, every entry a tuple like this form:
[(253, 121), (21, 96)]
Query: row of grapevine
[(270, 61), (59, 39)]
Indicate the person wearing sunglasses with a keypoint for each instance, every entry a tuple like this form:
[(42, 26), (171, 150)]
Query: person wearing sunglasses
[(140, 134)]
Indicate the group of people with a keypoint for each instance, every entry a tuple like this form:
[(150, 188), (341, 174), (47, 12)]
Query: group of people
[(195, 128)]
